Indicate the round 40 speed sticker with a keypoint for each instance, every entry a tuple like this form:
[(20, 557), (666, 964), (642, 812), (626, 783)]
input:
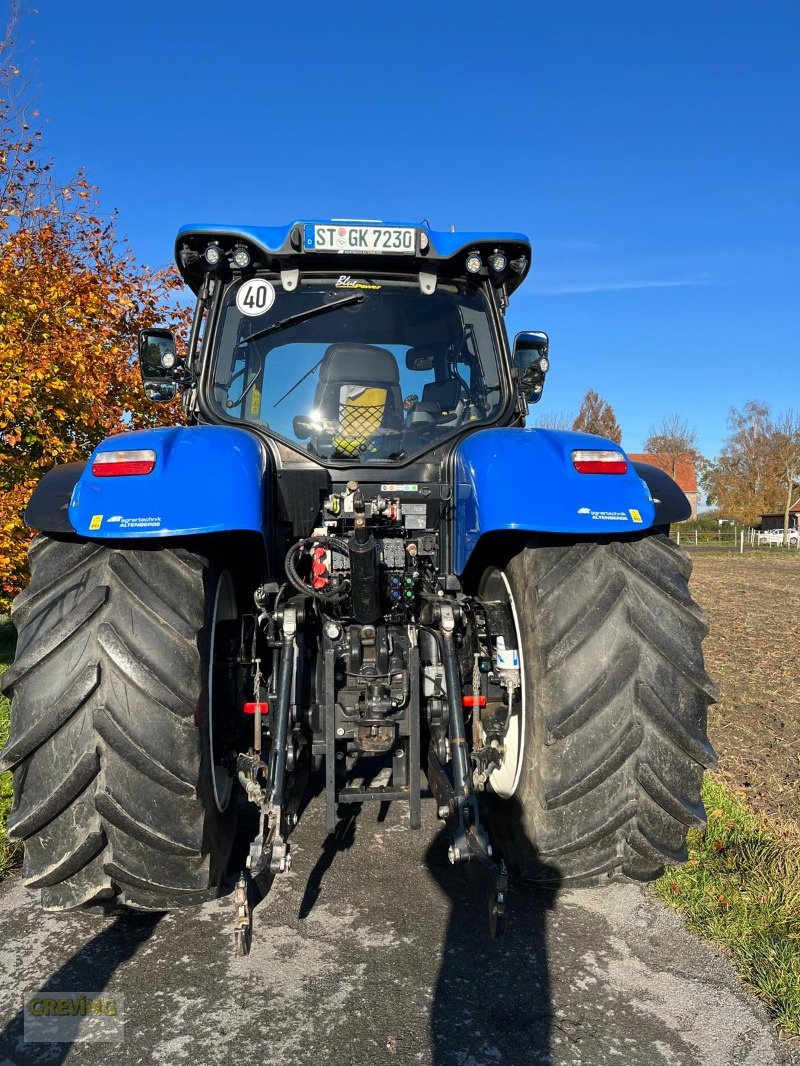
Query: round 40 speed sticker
[(255, 296)]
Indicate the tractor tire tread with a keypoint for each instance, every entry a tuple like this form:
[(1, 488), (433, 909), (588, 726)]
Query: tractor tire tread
[(113, 797), (616, 744)]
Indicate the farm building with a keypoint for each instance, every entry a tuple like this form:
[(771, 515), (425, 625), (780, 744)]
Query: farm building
[(682, 468), (775, 521)]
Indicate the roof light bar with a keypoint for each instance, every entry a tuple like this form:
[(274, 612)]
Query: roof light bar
[(599, 462), (118, 464)]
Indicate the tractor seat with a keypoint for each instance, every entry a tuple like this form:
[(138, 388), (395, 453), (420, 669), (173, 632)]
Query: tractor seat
[(441, 402), (359, 389)]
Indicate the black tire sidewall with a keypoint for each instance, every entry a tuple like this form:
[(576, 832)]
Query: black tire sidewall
[(220, 826)]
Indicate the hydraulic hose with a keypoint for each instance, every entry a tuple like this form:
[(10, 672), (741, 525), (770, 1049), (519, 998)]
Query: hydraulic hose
[(296, 580)]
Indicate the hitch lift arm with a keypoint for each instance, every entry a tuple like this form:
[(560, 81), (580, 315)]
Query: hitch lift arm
[(269, 851), (457, 802)]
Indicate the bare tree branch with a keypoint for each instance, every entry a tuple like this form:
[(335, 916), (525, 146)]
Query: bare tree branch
[(675, 440)]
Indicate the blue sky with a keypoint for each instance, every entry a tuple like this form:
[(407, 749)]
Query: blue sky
[(650, 150)]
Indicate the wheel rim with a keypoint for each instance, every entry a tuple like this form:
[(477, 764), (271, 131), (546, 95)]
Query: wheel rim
[(505, 781), (224, 611)]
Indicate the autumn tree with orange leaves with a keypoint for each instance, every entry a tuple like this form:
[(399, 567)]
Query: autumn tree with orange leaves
[(72, 298), (597, 416)]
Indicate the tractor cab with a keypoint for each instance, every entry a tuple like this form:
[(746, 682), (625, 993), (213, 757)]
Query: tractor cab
[(378, 365), (376, 376)]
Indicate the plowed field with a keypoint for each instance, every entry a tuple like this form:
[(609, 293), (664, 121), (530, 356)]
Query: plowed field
[(753, 653)]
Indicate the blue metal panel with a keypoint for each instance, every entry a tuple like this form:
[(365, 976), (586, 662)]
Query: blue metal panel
[(274, 238), (274, 241), (524, 479), (207, 479)]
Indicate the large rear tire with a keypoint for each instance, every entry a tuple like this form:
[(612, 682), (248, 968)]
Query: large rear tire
[(110, 743), (615, 707)]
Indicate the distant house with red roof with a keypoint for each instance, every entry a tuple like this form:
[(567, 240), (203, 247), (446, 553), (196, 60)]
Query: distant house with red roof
[(682, 468)]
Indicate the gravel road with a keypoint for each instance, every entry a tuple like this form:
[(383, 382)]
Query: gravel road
[(375, 951)]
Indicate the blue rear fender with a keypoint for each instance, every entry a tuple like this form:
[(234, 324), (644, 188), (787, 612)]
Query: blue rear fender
[(206, 479), (524, 479)]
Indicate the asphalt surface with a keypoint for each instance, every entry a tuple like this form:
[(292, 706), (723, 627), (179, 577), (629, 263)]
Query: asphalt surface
[(376, 951)]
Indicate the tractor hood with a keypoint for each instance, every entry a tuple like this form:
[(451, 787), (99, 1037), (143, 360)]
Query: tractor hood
[(353, 245)]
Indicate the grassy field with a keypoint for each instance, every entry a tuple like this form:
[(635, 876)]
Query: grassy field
[(741, 889), (9, 853), (753, 606)]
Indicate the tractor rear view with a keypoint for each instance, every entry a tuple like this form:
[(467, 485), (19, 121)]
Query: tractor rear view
[(353, 560)]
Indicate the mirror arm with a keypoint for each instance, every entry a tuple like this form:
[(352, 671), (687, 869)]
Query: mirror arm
[(194, 334), (522, 399), (181, 375)]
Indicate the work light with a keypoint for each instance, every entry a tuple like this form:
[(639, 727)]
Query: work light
[(241, 257), (498, 262), (474, 263), (212, 254)]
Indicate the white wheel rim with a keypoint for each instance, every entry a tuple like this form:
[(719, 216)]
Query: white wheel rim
[(505, 780), (224, 611)]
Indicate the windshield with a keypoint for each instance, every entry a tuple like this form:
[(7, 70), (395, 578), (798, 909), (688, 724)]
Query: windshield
[(380, 378)]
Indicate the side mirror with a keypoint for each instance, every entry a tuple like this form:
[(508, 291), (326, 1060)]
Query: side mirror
[(158, 362), (302, 427), (531, 363)]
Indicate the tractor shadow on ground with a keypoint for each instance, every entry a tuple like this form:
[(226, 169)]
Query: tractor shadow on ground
[(342, 840), (247, 828), (492, 1001), (86, 972)]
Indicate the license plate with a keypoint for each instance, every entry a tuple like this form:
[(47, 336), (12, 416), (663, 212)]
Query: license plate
[(375, 240)]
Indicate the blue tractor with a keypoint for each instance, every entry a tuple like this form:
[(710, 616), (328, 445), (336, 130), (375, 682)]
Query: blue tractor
[(352, 561)]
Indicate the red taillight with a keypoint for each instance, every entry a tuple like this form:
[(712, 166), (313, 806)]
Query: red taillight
[(599, 462), (251, 708), (115, 464)]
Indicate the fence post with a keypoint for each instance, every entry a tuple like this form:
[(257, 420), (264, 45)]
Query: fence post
[(741, 543), (695, 538), (679, 536)]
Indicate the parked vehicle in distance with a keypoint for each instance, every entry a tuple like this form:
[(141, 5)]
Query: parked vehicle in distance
[(777, 537)]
